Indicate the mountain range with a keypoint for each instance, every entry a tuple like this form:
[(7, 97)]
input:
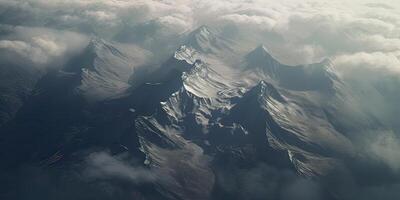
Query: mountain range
[(194, 126)]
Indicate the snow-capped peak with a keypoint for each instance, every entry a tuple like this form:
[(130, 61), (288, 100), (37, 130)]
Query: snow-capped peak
[(202, 39)]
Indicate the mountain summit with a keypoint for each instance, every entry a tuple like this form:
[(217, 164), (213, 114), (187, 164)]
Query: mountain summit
[(208, 41), (260, 54)]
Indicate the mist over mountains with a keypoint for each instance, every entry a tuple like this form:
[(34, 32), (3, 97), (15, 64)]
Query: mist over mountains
[(199, 100)]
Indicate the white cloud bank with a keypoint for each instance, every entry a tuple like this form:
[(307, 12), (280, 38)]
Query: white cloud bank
[(298, 31), (102, 165), (41, 46)]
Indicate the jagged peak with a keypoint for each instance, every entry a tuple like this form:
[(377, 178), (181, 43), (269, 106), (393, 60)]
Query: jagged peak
[(265, 90), (184, 59), (187, 54), (258, 97), (199, 68)]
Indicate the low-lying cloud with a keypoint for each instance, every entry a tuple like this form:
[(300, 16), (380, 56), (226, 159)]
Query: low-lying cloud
[(385, 147), (103, 166), (41, 46)]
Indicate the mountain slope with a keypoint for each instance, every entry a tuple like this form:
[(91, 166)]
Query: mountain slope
[(107, 69)]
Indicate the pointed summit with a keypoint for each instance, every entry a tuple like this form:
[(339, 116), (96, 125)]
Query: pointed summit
[(207, 40), (261, 59), (260, 55), (262, 49), (202, 39), (87, 57), (97, 44), (100, 47), (265, 90)]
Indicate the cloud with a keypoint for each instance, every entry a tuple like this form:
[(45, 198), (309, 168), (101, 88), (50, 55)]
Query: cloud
[(20, 47), (263, 181), (103, 17), (104, 14), (375, 61), (386, 147), (175, 23), (246, 20), (302, 189), (299, 32), (102, 165), (42, 46), (39, 50), (374, 80)]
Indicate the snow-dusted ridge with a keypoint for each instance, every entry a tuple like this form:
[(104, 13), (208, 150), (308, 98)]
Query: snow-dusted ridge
[(294, 120), (208, 41), (107, 72)]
